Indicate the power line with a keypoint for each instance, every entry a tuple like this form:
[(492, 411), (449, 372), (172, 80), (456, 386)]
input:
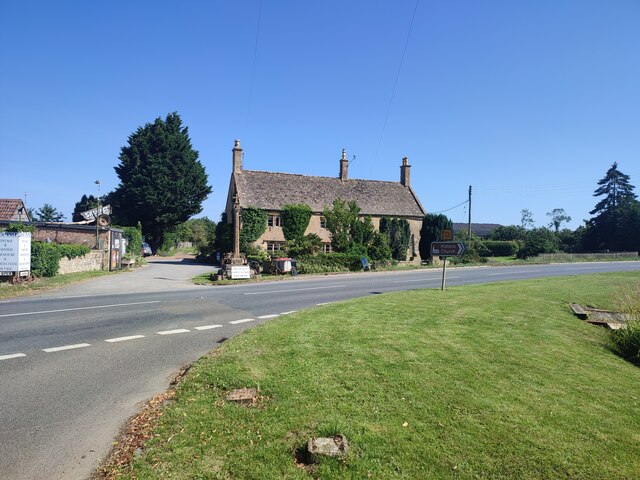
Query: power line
[(448, 209), (395, 83), (253, 69)]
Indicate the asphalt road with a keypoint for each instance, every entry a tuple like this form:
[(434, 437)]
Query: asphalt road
[(76, 364)]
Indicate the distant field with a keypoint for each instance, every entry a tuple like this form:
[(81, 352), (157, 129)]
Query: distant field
[(488, 381)]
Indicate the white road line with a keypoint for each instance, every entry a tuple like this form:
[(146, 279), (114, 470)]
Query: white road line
[(208, 327), (172, 332), (274, 315), (270, 292), (66, 347), (78, 308), (418, 280), (244, 320), (288, 313), (13, 355), (511, 273), (124, 339), (324, 303)]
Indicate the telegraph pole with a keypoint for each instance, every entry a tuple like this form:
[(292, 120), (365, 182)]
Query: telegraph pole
[(469, 229)]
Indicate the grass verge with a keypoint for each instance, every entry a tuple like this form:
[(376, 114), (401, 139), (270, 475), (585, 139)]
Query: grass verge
[(41, 285), (486, 381)]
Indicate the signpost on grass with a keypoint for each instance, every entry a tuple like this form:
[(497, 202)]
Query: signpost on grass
[(447, 249)]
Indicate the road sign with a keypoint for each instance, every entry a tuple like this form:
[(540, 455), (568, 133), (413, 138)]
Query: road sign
[(447, 249), (446, 235)]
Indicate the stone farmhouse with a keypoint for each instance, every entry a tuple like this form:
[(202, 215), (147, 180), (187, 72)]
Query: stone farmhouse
[(270, 191)]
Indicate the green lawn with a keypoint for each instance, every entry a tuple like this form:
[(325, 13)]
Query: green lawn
[(487, 381)]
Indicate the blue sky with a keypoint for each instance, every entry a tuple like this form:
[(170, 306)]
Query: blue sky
[(529, 102)]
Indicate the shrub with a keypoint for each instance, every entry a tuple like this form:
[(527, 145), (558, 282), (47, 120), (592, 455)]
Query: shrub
[(21, 227), (499, 248), (626, 341), (72, 251), (330, 262), (45, 259), (539, 240), (133, 235), (254, 224)]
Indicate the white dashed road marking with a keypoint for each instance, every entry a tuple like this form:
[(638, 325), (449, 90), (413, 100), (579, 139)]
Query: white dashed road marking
[(288, 313), (124, 339), (208, 327), (77, 308), (324, 303), (244, 320), (172, 332), (66, 347), (13, 355), (264, 317)]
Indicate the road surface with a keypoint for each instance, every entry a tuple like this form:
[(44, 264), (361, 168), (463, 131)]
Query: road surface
[(75, 364)]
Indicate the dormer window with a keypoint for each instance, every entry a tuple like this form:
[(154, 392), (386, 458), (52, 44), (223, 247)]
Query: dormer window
[(274, 221)]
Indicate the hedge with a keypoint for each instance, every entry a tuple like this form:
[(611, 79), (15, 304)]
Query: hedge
[(329, 262), (500, 248), (45, 257)]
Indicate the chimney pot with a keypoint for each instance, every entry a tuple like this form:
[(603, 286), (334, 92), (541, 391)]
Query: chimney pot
[(405, 172), (237, 156), (344, 166)]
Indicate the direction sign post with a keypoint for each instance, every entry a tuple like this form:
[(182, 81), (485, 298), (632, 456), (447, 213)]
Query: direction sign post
[(447, 249)]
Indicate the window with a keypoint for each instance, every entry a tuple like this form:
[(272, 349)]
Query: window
[(274, 221), (323, 222), (326, 248), (274, 246)]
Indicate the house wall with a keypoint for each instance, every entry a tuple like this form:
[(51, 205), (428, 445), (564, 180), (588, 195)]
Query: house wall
[(275, 234), (91, 261)]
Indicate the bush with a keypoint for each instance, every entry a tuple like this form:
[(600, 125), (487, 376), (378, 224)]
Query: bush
[(72, 251), (45, 259), (133, 235), (626, 341), (499, 248), (539, 240), (21, 227), (330, 262)]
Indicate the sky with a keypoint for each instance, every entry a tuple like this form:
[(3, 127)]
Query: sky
[(528, 102)]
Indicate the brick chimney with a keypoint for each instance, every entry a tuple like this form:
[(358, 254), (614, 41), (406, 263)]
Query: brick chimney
[(237, 157), (344, 166), (405, 172)]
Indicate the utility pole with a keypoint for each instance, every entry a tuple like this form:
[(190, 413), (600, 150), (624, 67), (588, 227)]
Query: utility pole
[(469, 227)]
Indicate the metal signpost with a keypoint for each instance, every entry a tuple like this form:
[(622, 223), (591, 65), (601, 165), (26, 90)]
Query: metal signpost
[(447, 249)]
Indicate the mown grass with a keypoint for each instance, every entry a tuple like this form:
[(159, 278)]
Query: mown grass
[(45, 284), (486, 381)]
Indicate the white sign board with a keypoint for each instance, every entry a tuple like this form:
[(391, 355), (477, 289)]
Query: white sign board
[(15, 252), (91, 214), (239, 272)]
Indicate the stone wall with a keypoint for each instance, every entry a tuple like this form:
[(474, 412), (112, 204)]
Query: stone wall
[(91, 261), (75, 236)]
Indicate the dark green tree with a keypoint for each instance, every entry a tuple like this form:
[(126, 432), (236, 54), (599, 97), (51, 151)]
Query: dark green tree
[(341, 218), (162, 182), (398, 234), (608, 229), (223, 235), (539, 240), (49, 213), (295, 220), (85, 204), (508, 233), (432, 225)]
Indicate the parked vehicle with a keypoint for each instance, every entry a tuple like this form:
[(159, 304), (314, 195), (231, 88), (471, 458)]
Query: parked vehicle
[(146, 250)]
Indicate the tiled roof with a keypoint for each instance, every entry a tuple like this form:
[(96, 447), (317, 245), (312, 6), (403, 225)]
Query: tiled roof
[(271, 190), (9, 207)]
